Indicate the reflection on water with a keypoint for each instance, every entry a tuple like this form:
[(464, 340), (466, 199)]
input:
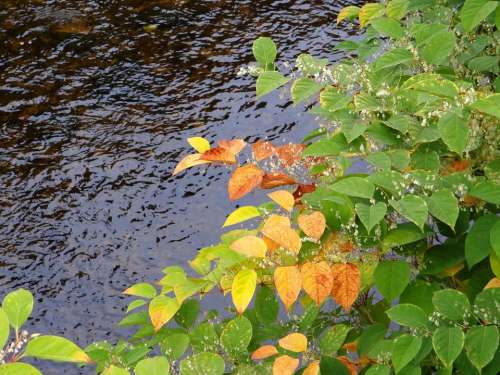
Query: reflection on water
[(94, 113)]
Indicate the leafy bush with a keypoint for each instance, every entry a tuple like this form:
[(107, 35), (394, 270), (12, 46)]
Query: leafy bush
[(385, 251)]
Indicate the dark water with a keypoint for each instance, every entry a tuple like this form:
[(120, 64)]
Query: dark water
[(94, 113)]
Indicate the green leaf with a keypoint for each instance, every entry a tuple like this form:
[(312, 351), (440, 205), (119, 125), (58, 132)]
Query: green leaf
[(241, 214), (333, 339), (412, 207), (175, 345), (329, 365), (397, 8), (204, 337), (420, 293), (389, 180), (352, 130), (269, 81), (378, 370), (332, 100), (18, 368), (236, 336), (489, 105), (404, 350), (4, 328), (400, 123), (481, 343), (409, 315), (388, 27), (113, 370), (266, 305), (188, 313), (153, 366), (135, 304), (203, 363), (443, 205), (55, 348), (354, 186), (486, 305), (441, 257), (371, 215), (391, 278), (327, 147), (395, 57), (475, 11), (426, 160), (484, 63), (18, 306), (494, 239), (264, 50), (448, 343), (400, 159), (349, 12), (477, 242), (427, 134), (402, 235), (433, 84), (370, 11), (302, 88), (370, 337), (487, 191), (452, 304), (379, 160), (438, 48), (143, 290), (454, 131)]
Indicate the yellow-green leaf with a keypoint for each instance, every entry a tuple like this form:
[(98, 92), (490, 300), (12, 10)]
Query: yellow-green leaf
[(349, 12), (243, 288), (370, 11), (55, 348), (241, 214), (161, 310), (200, 144)]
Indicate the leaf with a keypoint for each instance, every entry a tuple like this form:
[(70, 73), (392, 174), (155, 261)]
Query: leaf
[(143, 290), (394, 57), (285, 365), (4, 328), (269, 81), (283, 198), (219, 154), (161, 310), (244, 179), (18, 306), (397, 8), (388, 27), (152, 366), (346, 284), (477, 242), (266, 305), (379, 160), (276, 179), (454, 131), (312, 369), (475, 11), (371, 337), (448, 343), (378, 370), (329, 365), (304, 87), (486, 305), (55, 348), (420, 293), (203, 363), (262, 150), (333, 339), (327, 147), (409, 315), (405, 349), (236, 336), (438, 48), (488, 191), (200, 144), (243, 288), (391, 278), (412, 207), (188, 162), (481, 343), (332, 100), (113, 370), (234, 146), (264, 50), (250, 246), (294, 342), (204, 337), (264, 352), (452, 304), (313, 224), (443, 205), (349, 12), (18, 368), (489, 105), (284, 236), (354, 186), (370, 11), (432, 84), (175, 345), (317, 280), (288, 282), (371, 215), (241, 214), (495, 238)]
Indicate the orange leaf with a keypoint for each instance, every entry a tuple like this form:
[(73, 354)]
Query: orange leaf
[(234, 146), (274, 220), (351, 346), (251, 246), (285, 365), (317, 280), (284, 236), (188, 162), (276, 179), (264, 352), (313, 225), (295, 342), (493, 283), (262, 150), (219, 154), (290, 154), (312, 369), (271, 245), (283, 198), (244, 180), (288, 282), (301, 190), (347, 363), (346, 284)]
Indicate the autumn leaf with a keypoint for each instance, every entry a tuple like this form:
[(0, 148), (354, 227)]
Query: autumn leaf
[(294, 342), (234, 146), (285, 236), (348, 363), (251, 246), (276, 179), (346, 284), (274, 220), (188, 162), (271, 245), (301, 190), (285, 365), (288, 282), (317, 280), (219, 154), (241, 214), (283, 198), (290, 154), (312, 369), (262, 150), (264, 352), (244, 179), (161, 310), (313, 224), (493, 283), (200, 144), (243, 288)]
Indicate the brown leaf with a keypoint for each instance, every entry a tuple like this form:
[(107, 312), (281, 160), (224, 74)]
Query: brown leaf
[(313, 225), (288, 282), (264, 352), (301, 190), (262, 150), (351, 346), (348, 363), (276, 179), (317, 280), (188, 162), (219, 154), (251, 246), (294, 342), (284, 236), (285, 365), (312, 369), (346, 284), (244, 179), (234, 146), (283, 198), (290, 154)]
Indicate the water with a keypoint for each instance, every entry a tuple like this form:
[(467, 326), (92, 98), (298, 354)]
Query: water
[(94, 113)]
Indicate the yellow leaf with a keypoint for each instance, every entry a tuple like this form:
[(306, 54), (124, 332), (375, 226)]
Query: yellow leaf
[(188, 162), (288, 282), (313, 225), (317, 280), (251, 246), (241, 214), (370, 11), (312, 369), (295, 342), (200, 144), (284, 198), (264, 352), (346, 284), (243, 288), (285, 365), (347, 12), (161, 310), (493, 283)]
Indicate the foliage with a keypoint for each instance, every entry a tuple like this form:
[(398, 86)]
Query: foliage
[(391, 267)]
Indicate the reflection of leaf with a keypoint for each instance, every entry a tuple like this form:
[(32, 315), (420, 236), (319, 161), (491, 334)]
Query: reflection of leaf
[(288, 282), (276, 179), (285, 365), (243, 288), (188, 162), (284, 198), (264, 352), (200, 144), (251, 246), (346, 284), (262, 150), (294, 342), (244, 179), (313, 224), (317, 280)]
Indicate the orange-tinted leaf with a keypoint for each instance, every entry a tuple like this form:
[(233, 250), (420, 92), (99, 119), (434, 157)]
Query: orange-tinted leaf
[(294, 342), (264, 352), (290, 154), (346, 247), (346, 284), (301, 190), (285, 365), (288, 282), (275, 179), (271, 245), (312, 369), (188, 162), (317, 280), (351, 346), (244, 179), (234, 146), (251, 246), (274, 220), (493, 283), (284, 236), (219, 154), (283, 198), (262, 150), (347, 363), (313, 225)]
